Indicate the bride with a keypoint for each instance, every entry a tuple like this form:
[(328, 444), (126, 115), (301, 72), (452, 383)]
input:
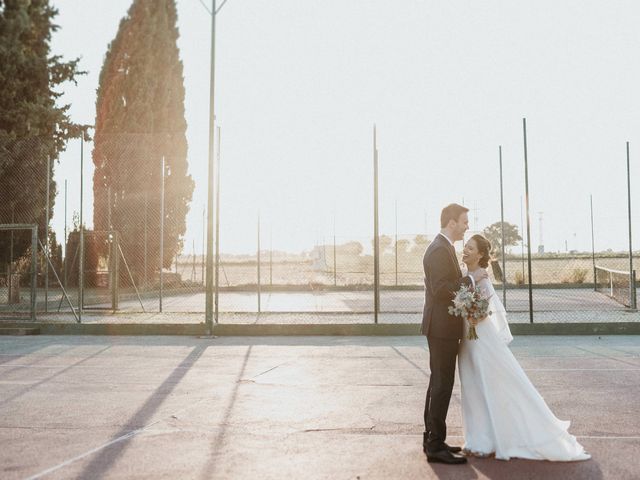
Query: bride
[(502, 412)]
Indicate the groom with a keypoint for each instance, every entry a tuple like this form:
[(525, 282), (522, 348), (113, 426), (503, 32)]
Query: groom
[(442, 278)]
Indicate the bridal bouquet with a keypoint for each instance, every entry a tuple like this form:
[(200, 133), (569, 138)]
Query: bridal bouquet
[(470, 304)]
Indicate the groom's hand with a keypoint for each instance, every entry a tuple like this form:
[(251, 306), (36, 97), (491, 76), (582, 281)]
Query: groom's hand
[(479, 274)]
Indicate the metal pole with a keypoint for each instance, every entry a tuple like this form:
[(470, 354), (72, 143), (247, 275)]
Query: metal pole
[(46, 238), (259, 305), (217, 286), (522, 242), (376, 260), (209, 273), (193, 260), (593, 247), (526, 188), (204, 231), (11, 252), (396, 243), (109, 207), (632, 286), (335, 269), (65, 233), (112, 252), (271, 256), (116, 273), (504, 267), (161, 236), (81, 263), (146, 238), (34, 270)]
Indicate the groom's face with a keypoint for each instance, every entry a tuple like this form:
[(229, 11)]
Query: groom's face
[(460, 227)]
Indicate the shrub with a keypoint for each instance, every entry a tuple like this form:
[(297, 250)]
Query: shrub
[(578, 275), (519, 278)]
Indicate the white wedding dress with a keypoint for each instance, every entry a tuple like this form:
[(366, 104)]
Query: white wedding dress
[(502, 412)]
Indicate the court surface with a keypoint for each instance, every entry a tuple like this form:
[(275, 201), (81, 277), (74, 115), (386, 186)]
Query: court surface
[(286, 407)]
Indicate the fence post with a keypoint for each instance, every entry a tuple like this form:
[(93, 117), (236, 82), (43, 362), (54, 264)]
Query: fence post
[(65, 234), (217, 236), (504, 263), (34, 270), (10, 288), (335, 275), (593, 247), (46, 238), (376, 258), (522, 241), (632, 286), (145, 253), (161, 235), (396, 249), (204, 231), (259, 292), (634, 292), (81, 233), (116, 278), (526, 186)]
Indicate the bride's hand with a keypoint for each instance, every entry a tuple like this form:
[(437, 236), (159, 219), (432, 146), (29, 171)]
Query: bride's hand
[(479, 275), (476, 321)]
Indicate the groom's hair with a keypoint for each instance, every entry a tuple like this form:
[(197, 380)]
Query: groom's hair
[(451, 212)]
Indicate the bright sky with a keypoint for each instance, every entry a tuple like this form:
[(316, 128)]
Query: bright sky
[(299, 85)]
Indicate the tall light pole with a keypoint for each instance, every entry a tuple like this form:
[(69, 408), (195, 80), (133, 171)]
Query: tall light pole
[(210, 179)]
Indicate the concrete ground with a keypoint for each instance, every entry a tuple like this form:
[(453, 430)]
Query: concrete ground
[(286, 407)]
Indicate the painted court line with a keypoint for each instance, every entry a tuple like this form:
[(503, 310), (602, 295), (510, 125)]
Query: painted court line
[(87, 453), (111, 442)]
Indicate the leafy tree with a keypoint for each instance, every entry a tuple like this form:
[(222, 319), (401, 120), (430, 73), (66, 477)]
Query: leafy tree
[(350, 248), (493, 233), (384, 242), (421, 242), (139, 122), (403, 245), (33, 126)]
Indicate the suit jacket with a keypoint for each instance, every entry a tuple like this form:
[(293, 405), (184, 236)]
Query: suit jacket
[(442, 279)]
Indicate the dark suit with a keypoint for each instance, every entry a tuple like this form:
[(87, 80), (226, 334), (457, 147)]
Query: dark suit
[(442, 278)]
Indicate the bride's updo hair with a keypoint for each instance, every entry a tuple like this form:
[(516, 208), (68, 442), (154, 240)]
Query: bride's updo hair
[(484, 248)]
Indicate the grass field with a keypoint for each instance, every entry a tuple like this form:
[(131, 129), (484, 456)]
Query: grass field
[(358, 270)]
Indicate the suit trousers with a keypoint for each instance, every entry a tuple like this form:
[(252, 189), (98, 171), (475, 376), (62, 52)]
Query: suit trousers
[(442, 362)]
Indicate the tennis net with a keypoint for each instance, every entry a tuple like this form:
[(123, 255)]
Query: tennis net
[(617, 284)]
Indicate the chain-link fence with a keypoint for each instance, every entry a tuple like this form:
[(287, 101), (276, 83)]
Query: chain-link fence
[(124, 253)]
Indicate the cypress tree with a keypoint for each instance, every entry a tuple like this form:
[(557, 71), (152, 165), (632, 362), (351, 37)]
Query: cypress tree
[(139, 121), (33, 127)]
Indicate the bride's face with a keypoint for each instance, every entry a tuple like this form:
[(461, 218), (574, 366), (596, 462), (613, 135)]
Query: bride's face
[(470, 254)]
